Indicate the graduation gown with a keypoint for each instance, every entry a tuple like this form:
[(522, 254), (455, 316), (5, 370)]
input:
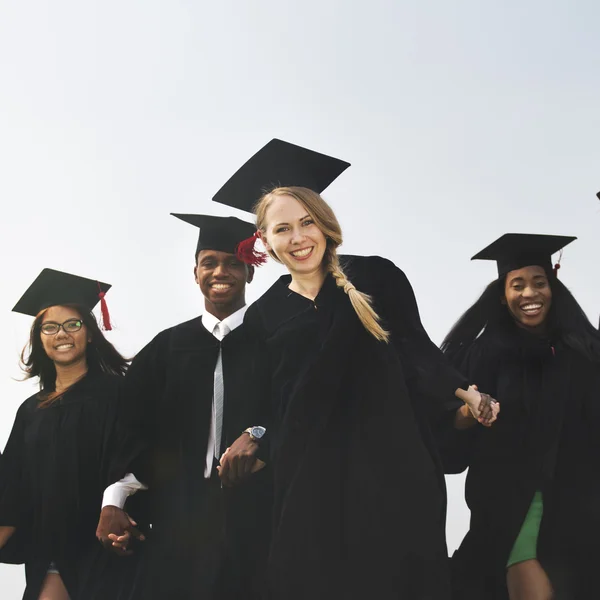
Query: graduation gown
[(547, 438), (359, 495), (55, 468), (204, 542)]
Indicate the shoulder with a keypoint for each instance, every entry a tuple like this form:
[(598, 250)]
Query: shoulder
[(29, 405), (165, 338), (368, 264), (267, 308), (374, 273)]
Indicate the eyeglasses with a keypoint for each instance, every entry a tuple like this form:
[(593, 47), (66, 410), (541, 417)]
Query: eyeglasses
[(69, 326)]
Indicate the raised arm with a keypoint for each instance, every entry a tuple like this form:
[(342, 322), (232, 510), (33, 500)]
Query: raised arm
[(429, 374)]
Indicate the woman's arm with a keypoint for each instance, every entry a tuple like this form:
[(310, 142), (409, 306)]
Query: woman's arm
[(427, 370)]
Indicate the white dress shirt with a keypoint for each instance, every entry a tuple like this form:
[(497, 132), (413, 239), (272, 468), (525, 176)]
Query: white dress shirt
[(117, 493)]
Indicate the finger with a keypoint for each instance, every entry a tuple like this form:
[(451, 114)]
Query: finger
[(224, 470), (235, 470), (131, 521), (122, 551), (249, 466), (137, 534)]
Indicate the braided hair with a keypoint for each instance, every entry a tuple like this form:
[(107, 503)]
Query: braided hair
[(327, 222)]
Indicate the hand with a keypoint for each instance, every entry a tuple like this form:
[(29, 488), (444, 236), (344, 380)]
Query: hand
[(239, 461), (6, 532), (485, 410), (115, 529)]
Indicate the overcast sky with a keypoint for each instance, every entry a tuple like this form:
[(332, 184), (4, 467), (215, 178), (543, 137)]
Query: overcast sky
[(462, 120)]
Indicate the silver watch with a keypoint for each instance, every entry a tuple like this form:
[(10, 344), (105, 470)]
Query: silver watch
[(256, 432)]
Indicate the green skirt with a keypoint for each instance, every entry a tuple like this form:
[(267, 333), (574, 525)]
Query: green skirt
[(525, 547)]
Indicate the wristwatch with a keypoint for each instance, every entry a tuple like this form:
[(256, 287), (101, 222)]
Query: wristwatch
[(255, 432)]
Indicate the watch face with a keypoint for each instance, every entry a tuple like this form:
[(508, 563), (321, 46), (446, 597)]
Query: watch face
[(258, 432)]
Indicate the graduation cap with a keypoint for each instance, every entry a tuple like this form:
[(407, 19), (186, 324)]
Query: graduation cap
[(220, 233), (514, 251), (279, 164), (55, 288)]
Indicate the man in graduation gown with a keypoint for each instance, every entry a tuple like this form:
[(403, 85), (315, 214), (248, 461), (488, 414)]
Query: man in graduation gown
[(186, 404)]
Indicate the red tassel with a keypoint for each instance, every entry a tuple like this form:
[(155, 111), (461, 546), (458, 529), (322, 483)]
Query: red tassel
[(247, 253), (106, 326)]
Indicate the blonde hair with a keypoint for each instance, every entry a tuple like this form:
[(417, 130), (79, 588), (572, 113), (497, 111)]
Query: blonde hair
[(327, 222)]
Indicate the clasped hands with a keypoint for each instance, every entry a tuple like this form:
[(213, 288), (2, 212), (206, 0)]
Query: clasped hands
[(483, 407), (116, 528)]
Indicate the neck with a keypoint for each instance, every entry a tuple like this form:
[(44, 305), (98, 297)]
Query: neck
[(67, 375), (539, 330), (308, 284), (221, 311)]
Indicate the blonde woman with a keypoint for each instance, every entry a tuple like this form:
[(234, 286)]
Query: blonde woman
[(342, 356)]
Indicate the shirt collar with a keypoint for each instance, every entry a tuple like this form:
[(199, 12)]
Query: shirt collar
[(232, 321)]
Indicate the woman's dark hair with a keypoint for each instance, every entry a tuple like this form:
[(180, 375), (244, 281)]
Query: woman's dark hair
[(566, 321), (101, 355)]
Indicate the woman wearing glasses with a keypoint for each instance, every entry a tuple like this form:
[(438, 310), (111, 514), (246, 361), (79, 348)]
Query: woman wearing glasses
[(55, 464)]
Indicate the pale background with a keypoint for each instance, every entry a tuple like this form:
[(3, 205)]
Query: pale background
[(462, 120)]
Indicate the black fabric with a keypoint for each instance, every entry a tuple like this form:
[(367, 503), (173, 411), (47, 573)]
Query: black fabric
[(359, 495), (514, 251), (218, 233), (55, 288), (166, 413), (55, 468), (279, 164), (546, 438)]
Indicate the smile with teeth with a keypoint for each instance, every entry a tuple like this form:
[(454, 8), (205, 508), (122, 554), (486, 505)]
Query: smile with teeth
[(64, 346), (302, 253), (221, 286), (533, 308)]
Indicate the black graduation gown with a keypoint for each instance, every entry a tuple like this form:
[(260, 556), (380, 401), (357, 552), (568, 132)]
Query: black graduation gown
[(55, 468), (359, 496), (547, 438), (198, 547)]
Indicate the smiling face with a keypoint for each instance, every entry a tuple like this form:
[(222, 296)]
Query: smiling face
[(528, 296), (64, 348), (222, 279), (292, 235)]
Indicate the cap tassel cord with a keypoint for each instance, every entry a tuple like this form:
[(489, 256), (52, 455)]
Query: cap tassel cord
[(106, 325), (247, 253), (557, 265)]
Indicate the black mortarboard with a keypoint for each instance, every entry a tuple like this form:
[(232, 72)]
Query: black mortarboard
[(54, 288), (514, 251), (279, 164), (218, 233)]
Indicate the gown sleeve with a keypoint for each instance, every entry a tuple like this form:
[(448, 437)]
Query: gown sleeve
[(456, 447), (428, 373), (14, 505), (259, 386), (11, 473), (137, 420)]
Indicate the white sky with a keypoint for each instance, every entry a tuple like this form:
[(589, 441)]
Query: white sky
[(462, 121)]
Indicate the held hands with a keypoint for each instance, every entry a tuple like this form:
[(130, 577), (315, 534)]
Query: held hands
[(482, 406), (115, 530), (239, 461)]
